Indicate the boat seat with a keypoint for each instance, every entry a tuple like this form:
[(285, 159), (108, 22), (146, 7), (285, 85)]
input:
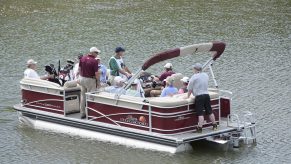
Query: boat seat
[(123, 101), (40, 82), (176, 100), (44, 85)]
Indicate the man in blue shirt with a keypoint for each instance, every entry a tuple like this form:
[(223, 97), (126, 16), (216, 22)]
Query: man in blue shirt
[(169, 90)]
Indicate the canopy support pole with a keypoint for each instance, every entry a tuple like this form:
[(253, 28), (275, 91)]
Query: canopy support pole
[(130, 81), (209, 65), (213, 77)]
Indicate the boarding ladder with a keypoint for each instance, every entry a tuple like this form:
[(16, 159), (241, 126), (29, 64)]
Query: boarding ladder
[(246, 128)]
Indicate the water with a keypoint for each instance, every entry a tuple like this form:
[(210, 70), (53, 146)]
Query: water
[(255, 66)]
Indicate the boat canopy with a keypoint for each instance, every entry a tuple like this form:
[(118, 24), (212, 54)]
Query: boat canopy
[(217, 47)]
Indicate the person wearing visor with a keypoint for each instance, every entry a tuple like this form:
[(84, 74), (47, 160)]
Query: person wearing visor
[(198, 86), (30, 71), (88, 69), (117, 66)]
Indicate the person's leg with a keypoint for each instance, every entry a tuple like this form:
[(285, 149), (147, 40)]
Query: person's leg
[(208, 109), (212, 118), (147, 92), (199, 112), (155, 93), (83, 97), (200, 121), (91, 85)]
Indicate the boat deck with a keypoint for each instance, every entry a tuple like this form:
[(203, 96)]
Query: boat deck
[(74, 120), (189, 136)]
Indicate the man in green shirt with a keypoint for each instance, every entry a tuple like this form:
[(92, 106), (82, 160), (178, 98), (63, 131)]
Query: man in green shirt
[(117, 66)]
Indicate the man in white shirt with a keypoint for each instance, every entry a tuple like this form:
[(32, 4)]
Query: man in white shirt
[(117, 87), (31, 73), (198, 86), (135, 89)]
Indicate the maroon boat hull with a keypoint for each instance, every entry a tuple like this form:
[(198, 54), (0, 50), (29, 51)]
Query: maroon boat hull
[(164, 121)]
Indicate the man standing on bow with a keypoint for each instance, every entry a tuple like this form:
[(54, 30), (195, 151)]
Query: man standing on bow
[(88, 69), (198, 86)]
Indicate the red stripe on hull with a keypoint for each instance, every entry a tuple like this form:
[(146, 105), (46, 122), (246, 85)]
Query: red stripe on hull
[(43, 101)]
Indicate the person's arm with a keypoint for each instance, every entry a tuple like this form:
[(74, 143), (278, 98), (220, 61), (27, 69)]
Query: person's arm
[(97, 76), (162, 77), (189, 94), (124, 72), (163, 94), (190, 88), (46, 77), (127, 70)]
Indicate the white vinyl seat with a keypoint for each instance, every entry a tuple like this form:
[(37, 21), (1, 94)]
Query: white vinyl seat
[(45, 85), (177, 100)]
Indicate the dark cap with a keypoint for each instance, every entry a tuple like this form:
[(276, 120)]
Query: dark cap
[(197, 66), (80, 55), (119, 49)]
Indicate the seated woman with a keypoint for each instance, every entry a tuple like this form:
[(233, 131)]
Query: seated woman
[(184, 89), (169, 90), (133, 90)]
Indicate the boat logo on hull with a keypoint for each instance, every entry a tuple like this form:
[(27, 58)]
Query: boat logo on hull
[(181, 118), (133, 120)]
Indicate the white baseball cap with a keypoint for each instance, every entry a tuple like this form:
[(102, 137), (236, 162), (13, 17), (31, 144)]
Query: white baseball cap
[(168, 65), (94, 49), (118, 79), (30, 61), (185, 79), (136, 81)]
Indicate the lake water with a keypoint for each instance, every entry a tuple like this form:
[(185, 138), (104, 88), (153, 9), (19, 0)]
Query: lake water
[(255, 67)]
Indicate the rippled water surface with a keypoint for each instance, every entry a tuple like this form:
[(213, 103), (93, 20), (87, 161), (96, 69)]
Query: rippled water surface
[(255, 66)]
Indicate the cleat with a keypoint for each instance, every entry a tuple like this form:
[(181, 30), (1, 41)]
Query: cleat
[(199, 130), (214, 127)]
